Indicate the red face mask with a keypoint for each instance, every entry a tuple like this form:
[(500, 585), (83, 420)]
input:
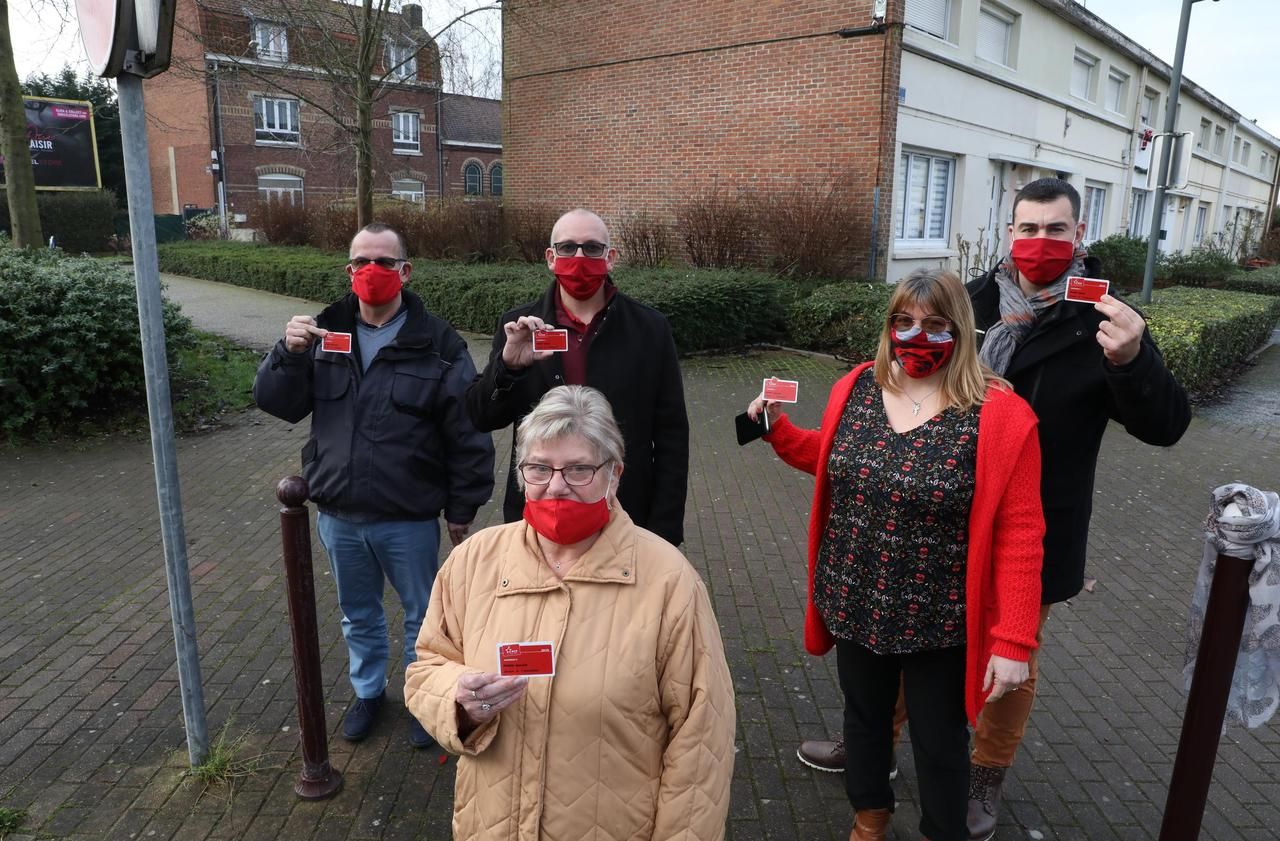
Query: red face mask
[(565, 520), (1042, 260), (918, 355), (375, 285), (581, 277)]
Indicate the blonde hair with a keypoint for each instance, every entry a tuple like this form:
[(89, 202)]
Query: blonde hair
[(965, 380), (568, 410)]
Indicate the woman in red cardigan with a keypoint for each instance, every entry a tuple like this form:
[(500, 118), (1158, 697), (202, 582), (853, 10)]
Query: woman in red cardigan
[(925, 542)]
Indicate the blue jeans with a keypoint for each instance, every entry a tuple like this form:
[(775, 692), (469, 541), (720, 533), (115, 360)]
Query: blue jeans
[(361, 555)]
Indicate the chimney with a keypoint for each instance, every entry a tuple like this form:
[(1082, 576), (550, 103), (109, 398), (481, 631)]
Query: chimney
[(412, 14)]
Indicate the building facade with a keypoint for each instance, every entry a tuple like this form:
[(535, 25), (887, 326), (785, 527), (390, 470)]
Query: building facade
[(471, 145), (937, 118), (253, 109)]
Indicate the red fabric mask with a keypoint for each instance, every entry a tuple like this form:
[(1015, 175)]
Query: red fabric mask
[(565, 520), (1042, 260), (918, 355), (581, 277), (375, 285)]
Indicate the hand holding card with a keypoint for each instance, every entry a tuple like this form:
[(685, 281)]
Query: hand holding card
[(781, 391), (1086, 290), (552, 340), (526, 659), (335, 342)]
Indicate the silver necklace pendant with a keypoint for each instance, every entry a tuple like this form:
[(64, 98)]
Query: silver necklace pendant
[(915, 407)]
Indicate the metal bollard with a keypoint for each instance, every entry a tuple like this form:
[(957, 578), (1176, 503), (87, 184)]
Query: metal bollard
[(1224, 617), (318, 779)]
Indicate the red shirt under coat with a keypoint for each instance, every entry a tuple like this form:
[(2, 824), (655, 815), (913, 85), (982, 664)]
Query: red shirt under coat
[(1006, 528)]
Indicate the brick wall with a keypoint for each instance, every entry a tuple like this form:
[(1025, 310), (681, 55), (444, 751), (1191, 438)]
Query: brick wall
[(455, 161), (178, 120), (670, 98)]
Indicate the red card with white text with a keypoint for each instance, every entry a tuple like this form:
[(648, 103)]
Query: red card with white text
[(526, 659), (336, 342), (555, 340), (781, 391), (1086, 290)]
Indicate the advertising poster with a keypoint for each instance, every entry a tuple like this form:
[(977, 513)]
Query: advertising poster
[(64, 149)]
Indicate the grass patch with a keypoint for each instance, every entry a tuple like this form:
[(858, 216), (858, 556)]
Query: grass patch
[(10, 820), (227, 764), (210, 377)]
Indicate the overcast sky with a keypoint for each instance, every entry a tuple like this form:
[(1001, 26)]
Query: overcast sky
[(1231, 46)]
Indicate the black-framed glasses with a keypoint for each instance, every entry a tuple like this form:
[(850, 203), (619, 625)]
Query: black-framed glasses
[(902, 322), (384, 262), (590, 248), (574, 474)]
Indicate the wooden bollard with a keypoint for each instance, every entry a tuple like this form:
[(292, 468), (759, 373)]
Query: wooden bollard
[(317, 779)]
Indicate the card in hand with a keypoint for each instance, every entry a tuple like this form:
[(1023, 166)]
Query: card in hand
[(1086, 290), (781, 391), (526, 659), (554, 340), (336, 342), (748, 429)]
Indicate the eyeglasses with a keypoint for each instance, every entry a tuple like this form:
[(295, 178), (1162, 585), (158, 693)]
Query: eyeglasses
[(574, 474), (384, 262), (902, 322), (590, 248)]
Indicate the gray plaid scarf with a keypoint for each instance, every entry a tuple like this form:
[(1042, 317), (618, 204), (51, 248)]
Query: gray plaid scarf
[(1018, 312)]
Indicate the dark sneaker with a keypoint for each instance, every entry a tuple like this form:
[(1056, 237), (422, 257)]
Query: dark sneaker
[(985, 787), (360, 717), (418, 735)]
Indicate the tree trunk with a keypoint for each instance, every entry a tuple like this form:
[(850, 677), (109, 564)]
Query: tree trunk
[(20, 182), (364, 162)]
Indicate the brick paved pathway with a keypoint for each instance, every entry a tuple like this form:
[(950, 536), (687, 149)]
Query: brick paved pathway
[(91, 738)]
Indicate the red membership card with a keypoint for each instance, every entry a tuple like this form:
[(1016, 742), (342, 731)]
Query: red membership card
[(781, 391), (556, 340), (336, 342), (1086, 290), (526, 659)]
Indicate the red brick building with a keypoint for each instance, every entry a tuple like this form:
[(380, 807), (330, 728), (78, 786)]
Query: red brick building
[(640, 104), (471, 145), (247, 114)]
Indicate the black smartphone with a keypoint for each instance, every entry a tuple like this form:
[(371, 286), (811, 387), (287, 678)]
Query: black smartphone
[(748, 429)]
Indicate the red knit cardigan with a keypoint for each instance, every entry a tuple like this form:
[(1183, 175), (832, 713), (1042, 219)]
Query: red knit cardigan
[(1006, 528)]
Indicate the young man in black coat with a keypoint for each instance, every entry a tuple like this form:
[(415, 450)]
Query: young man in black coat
[(1079, 365), (615, 344)]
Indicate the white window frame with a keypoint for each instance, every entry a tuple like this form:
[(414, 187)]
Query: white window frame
[(1219, 138), (280, 186), (406, 133), (1202, 220), (1202, 139), (280, 121), (408, 189), (1235, 150), (1094, 212), (1119, 76), (991, 16), (271, 40), (1138, 212), (1150, 104), (402, 60), (1090, 63), (926, 17), (468, 169), (924, 240), (1244, 153), (496, 167)]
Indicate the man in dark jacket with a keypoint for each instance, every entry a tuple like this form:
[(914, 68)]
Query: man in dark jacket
[(1078, 365), (617, 345), (391, 448)]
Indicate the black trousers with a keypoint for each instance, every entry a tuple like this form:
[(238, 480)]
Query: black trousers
[(933, 682)]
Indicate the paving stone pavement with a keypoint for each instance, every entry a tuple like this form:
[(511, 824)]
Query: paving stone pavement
[(92, 744)]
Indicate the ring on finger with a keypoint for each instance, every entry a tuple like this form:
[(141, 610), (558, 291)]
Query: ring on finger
[(486, 707)]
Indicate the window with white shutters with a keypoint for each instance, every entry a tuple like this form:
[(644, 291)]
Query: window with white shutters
[(995, 35), (932, 16), (923, 199)]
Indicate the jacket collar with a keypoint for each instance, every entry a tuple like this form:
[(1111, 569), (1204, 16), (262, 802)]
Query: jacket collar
[(610, 560), (344, 313)]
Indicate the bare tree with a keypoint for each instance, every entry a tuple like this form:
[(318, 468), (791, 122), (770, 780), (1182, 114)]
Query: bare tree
[(20, 182), (360, 50)]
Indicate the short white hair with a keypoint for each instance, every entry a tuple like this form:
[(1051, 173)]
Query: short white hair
[(569, 410)]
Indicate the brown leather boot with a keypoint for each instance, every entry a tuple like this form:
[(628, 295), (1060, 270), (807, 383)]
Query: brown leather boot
[(985, 787), (870, 825)]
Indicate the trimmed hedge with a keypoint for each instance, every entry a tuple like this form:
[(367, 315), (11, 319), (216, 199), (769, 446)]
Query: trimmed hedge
[(78, 221), (707, 309), (1124, 261), (72, 347), (843, 318), (1202, 333), (1260, 281)]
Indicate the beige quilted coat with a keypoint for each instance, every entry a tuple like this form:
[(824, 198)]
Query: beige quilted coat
[(633, 736)]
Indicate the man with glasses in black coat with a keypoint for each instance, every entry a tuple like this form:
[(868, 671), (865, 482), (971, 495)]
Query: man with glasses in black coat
[(615, 344)]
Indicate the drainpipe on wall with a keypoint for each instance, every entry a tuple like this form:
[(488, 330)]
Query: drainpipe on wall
[(439, 141)]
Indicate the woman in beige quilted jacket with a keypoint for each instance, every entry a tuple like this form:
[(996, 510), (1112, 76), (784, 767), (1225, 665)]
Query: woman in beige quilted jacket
[(632, 737)]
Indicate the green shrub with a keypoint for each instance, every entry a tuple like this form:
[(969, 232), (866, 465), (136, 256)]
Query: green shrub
[(1123, 259), (302, 272), (1203, 333), (844, 318), (72, 347), (1260, 282), (1205, 267), (711, 309), (77, 220)]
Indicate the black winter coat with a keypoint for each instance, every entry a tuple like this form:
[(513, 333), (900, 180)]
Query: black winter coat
[(632, 360), (1060, 370), (393, 442)]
